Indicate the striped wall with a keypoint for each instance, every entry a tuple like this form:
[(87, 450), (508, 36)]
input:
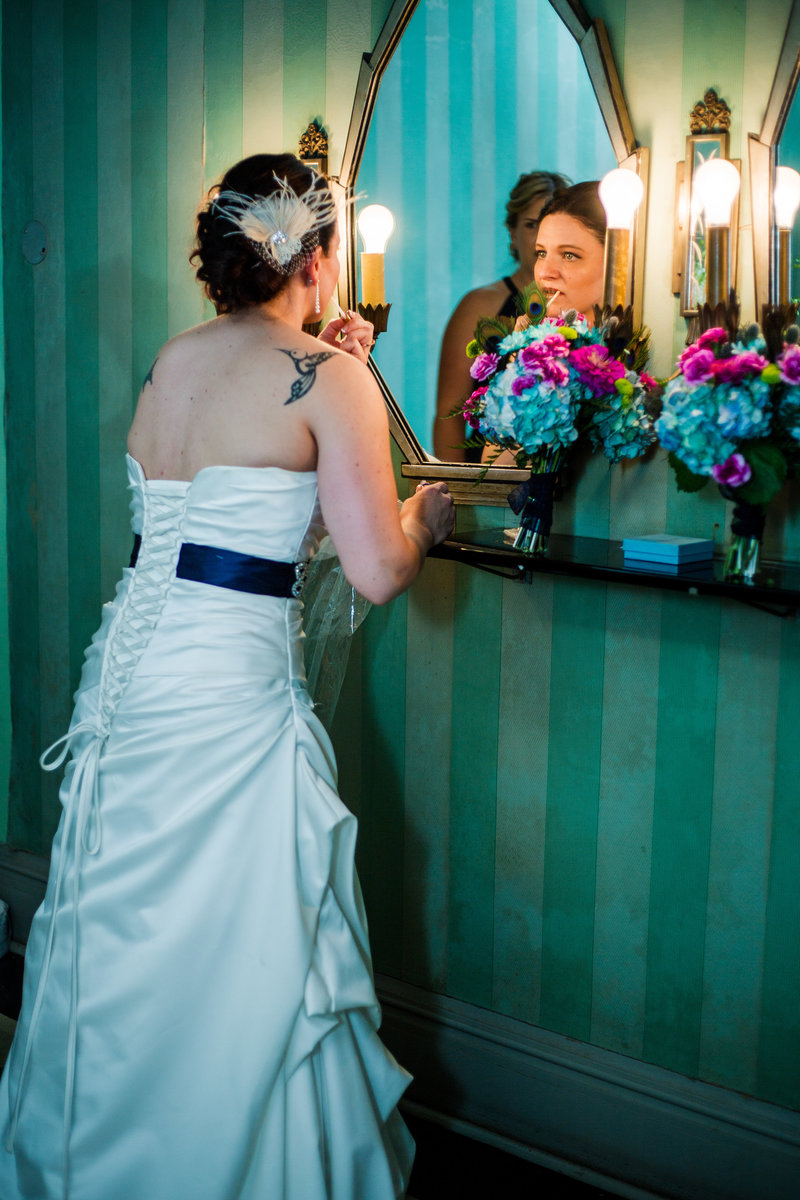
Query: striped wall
[(464, 108), (578, 803), (116, 119)]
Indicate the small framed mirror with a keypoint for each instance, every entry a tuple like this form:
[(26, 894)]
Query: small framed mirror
[(708, 141)]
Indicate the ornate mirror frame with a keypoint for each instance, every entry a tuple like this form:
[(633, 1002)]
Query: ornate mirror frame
[(464, 480), (761, 149)]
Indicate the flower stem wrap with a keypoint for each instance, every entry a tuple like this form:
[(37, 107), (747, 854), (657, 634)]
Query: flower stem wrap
[(533, 501), (748, 520)]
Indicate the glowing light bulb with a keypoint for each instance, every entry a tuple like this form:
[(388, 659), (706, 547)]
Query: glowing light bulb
[(716, 184), (375, 224), (786, 196), (620, 194)]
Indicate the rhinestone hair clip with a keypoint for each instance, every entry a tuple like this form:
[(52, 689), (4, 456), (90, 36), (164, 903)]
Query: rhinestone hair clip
[(284, 227)]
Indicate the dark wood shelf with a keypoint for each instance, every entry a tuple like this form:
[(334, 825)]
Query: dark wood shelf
[(776, 586)]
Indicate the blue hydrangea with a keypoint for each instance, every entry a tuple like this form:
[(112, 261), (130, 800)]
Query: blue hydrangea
[(789, 412), (744, 410), (620, 427), (688, 426)]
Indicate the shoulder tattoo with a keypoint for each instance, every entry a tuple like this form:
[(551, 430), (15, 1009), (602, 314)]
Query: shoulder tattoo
[(149, 376), (306, 367)]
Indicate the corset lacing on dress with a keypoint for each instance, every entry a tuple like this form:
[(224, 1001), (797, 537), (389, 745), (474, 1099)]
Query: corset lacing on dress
[(127, 640)]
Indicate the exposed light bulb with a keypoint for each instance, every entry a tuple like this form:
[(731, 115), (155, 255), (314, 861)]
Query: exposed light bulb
[(375, 224), (786, 196), (717, 184), (621, 194)]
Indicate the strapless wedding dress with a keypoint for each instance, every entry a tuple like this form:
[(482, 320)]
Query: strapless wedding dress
[(199, 1018)]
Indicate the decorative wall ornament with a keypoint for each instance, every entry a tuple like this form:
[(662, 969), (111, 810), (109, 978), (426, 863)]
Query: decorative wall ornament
[(313, 147), (710, 115)]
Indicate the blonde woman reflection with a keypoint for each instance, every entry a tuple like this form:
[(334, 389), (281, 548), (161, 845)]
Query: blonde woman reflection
[(570, 246), (528, 197)]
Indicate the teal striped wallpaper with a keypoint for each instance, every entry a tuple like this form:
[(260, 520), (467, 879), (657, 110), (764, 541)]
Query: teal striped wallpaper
[(116, 118), (578, 803)]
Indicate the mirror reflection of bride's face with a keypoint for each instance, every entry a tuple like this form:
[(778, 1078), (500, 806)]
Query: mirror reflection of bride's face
[(569, 261)]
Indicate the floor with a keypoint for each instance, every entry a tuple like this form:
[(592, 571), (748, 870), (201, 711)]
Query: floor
[(448, 1166)]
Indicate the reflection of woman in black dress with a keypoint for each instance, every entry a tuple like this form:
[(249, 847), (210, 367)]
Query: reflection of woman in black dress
[(525, 202)]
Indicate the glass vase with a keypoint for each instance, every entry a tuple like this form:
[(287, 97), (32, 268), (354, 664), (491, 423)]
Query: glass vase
[(747, 529)]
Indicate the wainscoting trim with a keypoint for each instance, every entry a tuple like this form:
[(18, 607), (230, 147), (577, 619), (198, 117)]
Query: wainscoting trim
[(637, 1130), (23, 878)]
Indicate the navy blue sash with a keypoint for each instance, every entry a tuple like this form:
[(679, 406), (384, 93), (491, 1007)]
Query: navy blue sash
[(238, 572)]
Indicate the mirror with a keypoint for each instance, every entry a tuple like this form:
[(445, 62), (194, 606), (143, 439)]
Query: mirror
[(464, 108), (778, 142)]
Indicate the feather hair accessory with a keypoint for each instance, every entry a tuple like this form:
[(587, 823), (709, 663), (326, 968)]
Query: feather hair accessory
[(283, 227)]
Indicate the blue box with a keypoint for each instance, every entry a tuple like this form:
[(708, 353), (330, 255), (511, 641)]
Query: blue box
[(668, 548)]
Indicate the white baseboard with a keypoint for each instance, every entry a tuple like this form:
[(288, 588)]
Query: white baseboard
[(636, 1130), (23, 878)]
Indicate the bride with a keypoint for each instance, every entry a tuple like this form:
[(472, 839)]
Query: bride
[(199, 1018)]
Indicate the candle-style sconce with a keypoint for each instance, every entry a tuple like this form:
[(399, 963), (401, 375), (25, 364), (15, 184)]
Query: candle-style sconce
[(695, 237), (716, 186), (375, 224), (621, 194)]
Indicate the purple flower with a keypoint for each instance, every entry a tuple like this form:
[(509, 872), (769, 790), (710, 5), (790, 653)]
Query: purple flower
[(484, 366), (710, 338), (789, 363), (696, 364), (596, 369), (521, 383), (734, 472), (737, 367)]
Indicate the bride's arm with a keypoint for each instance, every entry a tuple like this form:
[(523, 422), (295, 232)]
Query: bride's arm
[(381, 549)]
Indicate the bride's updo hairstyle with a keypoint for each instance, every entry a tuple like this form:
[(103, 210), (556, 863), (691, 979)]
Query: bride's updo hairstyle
[(581, 201), (238, 270)]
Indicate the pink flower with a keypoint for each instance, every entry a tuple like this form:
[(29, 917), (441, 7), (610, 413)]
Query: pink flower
[(734, 472), (471, 404), (738, 367), (555, 371), (484, 366), (711, 337), (596, 369), (647, 381), (789, 363), (553, 345), (697, 363)]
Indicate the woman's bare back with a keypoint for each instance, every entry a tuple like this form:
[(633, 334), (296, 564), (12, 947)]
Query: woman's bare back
[(229, 391)]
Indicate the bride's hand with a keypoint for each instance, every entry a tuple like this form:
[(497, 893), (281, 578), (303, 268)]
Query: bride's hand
[(357, 335)]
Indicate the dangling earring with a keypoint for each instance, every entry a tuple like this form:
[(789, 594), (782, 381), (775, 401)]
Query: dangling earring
[(316, 300)]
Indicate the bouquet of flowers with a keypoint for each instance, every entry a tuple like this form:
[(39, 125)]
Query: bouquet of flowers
[(545, 388), (731, 413)]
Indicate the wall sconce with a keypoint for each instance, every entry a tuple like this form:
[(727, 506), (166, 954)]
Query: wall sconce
[(703, 245), (621, 194), (375, 224), (786, 199), (716, 185)]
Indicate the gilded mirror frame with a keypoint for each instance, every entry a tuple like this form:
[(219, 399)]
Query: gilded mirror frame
[(591, 37), (761, 153)]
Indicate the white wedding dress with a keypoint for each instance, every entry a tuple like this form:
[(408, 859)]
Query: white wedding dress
[(199, 1019)]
